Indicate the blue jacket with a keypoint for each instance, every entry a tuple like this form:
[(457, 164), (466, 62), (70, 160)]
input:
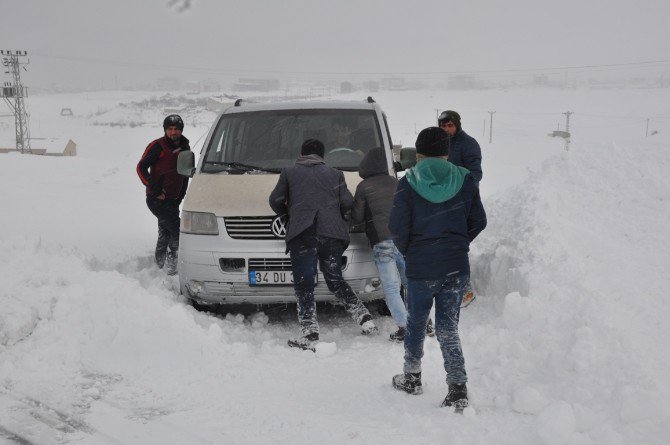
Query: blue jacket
[(435, 236), (464, 151)]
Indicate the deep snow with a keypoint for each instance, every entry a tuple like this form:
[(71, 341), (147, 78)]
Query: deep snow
[(565, 343)]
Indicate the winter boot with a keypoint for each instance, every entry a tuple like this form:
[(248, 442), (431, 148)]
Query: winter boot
[(430, 330), (410, 382), (457, 396), (398, 336), (171, 263), (161, 247), (307, 342), (368, 325)]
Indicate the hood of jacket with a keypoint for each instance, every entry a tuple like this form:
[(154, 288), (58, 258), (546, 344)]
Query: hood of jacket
[(310, 160), (436, 179), (373, 164)]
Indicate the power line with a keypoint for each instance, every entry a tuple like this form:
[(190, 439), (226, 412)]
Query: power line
[(624, 65)]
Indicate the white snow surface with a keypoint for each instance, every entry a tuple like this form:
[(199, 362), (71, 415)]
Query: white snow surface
[(564, 344)]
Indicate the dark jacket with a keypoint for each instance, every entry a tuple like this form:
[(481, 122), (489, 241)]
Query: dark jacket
[(436, 213), (464, 151), (374, 196), (157, 168), (313, 195)]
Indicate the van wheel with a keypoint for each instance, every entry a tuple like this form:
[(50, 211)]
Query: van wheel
[(202, 307)]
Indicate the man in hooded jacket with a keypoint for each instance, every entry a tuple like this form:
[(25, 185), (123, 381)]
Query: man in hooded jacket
[(436, 213), (372, 206)]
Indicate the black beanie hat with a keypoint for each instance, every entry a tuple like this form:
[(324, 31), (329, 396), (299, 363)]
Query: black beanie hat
[(432, 141), (312, 147), (450, 116), (173, 120)]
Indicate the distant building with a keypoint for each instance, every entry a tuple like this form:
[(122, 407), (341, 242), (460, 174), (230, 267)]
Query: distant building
[(346, 87), (260, 85), (462, 82), (169, 84), (69, 150)]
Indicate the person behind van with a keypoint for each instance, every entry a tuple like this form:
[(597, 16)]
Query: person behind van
[(436, 213), (372, 206), (165, 188), (464, 151), (315, 198)]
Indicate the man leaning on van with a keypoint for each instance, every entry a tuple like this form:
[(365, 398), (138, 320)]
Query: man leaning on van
[(317, 230)]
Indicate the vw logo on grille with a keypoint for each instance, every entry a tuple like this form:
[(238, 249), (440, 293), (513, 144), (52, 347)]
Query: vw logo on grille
[(279, 226)]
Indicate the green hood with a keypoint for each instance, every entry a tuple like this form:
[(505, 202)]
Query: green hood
[(436, 179)]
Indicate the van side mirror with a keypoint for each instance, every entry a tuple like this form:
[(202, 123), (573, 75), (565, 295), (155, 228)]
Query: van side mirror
[(186, 163), (407, 159)]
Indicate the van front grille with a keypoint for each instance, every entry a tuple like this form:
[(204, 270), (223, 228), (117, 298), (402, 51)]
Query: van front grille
[(277, 264), (250, 227)]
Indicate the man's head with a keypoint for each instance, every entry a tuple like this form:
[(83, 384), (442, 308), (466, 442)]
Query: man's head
[(341, 129), (432, 142), (173, 125), (312, 147), (449, 121)]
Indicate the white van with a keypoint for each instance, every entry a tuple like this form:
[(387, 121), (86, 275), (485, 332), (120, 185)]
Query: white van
[(231, 247)]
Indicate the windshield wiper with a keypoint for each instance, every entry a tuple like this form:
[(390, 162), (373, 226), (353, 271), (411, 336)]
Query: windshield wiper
[(241, 166)]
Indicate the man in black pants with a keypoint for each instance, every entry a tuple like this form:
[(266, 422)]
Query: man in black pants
[(165, 188), (315, 198)]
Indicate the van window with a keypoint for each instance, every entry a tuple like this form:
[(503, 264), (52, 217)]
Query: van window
[(270, 140)]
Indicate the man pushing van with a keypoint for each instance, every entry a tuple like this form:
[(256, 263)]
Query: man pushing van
[(315, 198)]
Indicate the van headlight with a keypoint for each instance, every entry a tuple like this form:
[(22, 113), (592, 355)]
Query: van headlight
[(199, 223)]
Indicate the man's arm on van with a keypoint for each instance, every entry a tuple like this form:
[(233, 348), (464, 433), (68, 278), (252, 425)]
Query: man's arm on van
[(401, 215), (346, 200), (279, 195), (358, 211)]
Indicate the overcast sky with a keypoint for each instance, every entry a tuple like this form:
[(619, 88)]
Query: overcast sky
[(102, 42)]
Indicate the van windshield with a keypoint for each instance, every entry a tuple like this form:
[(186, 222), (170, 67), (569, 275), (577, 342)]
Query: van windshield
[(267, 141)]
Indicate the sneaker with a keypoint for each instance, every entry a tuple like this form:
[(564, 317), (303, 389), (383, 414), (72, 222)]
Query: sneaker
[(457, 396), (306, 342), (468, 298), (368, 326), (398, 336), (430, 330), (410, 382)]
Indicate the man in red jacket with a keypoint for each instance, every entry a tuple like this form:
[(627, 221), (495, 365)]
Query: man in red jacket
[(165, 188)]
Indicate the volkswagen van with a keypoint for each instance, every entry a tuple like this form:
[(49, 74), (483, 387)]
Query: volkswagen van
[(231, 246)]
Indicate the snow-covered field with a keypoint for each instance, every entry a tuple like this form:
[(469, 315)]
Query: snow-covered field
[(563, 345)]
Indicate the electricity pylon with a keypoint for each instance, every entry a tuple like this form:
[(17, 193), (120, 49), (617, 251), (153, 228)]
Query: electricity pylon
[(15, 90)]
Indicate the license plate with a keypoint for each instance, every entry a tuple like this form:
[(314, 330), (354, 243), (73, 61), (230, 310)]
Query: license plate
[(265, 277)]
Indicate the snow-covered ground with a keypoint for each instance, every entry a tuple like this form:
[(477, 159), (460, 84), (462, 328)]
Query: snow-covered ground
[(563, 345)]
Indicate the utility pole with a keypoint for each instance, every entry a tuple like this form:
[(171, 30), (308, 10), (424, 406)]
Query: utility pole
[(15, 90), (647, 132), (567, 129), (491, 127)]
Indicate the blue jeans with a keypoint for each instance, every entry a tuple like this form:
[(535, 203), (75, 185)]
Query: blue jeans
[(328, 251), (391, 266), (448, 294)]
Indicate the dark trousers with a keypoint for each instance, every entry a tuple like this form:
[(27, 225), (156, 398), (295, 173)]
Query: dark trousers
[(167, 212), (305, 252)]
